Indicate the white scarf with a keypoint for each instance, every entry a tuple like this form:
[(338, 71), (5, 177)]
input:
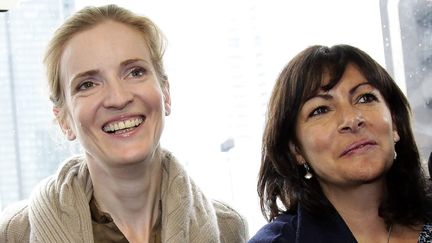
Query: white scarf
[(59, 208)]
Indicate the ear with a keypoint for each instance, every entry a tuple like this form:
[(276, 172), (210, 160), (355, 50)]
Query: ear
[(396, 137), (296, 151), (67, 131), (167, 98)]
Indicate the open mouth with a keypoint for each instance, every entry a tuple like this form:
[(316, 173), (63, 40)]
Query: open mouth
[(123, 126)]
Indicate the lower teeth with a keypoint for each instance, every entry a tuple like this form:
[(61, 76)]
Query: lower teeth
[(123, 130)]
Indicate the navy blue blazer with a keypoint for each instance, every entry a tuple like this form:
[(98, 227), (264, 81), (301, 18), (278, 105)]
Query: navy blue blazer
[(304, 227)]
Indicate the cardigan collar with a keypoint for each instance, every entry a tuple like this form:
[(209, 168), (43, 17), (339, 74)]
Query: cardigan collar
[(59, 208)]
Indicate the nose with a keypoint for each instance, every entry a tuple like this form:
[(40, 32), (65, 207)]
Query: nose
[(351, 120), (117, 96)]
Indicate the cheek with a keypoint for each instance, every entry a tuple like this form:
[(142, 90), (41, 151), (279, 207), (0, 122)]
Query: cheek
[(383, 122), (83, 114), (152, 97), (315, 141), (387, 120)]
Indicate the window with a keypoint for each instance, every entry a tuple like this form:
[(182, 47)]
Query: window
[(222, 60), (408, 35), (29, 148)]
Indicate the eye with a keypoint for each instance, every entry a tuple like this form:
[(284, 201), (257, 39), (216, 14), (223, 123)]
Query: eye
[(367, 98), (319, 111), (85, 85), (137, 72)]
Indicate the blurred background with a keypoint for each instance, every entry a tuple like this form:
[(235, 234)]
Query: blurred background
[(222, 60)]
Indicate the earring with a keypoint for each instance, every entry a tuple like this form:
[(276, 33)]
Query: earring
[(308, 174), (69, 134), (395, 155)]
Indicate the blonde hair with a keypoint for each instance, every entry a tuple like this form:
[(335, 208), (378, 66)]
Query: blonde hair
[(87, 18)]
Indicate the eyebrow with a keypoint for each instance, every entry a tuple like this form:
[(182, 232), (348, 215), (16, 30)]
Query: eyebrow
[(88, 73), (353, 89), (327, 96), (129, 61)]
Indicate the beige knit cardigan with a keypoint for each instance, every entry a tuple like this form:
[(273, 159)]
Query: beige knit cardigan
[(58, 210)]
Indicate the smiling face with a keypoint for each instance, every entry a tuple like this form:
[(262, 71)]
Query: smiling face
[(115, 105), (346, 134)]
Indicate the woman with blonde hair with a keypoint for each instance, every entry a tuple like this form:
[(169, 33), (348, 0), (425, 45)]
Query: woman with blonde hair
[(110, 92)]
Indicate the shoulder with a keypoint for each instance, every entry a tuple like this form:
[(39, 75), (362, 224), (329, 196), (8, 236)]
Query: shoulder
[(233, 227), (14, 223), (281, 229)]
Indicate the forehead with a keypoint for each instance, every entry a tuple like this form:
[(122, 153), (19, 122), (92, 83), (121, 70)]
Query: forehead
[(105, 45), (331, 79), (351, 76)]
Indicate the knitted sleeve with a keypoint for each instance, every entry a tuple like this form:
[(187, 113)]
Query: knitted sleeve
[(233, 227), (14, 223)]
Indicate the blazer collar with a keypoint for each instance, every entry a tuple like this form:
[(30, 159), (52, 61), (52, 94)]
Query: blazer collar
[(329, 228)]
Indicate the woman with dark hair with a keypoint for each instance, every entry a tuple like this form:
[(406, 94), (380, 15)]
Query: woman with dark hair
[(339, 159)]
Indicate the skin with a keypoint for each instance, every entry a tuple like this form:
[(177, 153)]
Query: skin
[(108, 78), (347, 134), (347, 137)]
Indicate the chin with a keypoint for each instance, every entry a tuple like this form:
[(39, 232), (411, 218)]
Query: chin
[(369, 177), (370, 171), (128, 158), (137, 156), (371, 180)]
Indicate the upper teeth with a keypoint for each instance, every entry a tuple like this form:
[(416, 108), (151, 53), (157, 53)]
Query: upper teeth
[(115, 126)]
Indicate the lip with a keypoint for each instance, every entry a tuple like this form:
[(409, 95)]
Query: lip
[(358, 146)]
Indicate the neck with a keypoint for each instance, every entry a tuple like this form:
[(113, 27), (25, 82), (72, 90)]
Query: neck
[(359, 206), (129, 193)]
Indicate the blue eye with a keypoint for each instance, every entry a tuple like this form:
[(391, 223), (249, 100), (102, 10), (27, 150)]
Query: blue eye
[(367, 98), (318, 111), (85, 85), (137, 72)]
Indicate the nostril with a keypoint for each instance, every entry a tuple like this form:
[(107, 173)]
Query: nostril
[(345, 128), (352, 125)]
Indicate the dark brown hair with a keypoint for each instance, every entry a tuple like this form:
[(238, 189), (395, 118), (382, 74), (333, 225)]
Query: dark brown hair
[(281, 176)]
